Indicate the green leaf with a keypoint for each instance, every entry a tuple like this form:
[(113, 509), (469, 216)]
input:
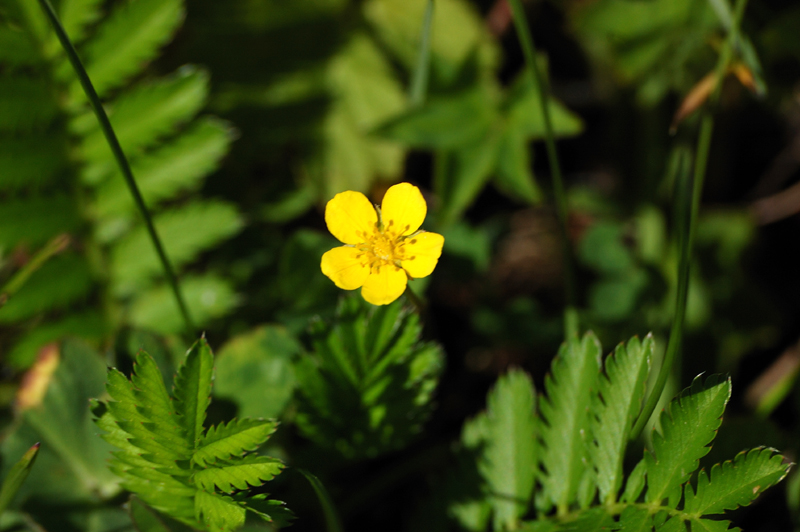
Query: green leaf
[(192, 390), (508, 461), (145, 519), (88, 325), (256, 371), (453, 121), (735, 483), (242, 474), (219, 511), (633, 519), (128, 39), (77, 15), (16, 46), (185, 232), (16, 476), (566, 420), (33, 221), (368, 385), (52, 409), (232, 440), (58, 283), (23, 165), (163, 174), (707, 525), (458, 32), (207, 297), (524, 112), (146, 113), (688, 425), (514, 172), (30, 105), (468, 171), (614, 410)]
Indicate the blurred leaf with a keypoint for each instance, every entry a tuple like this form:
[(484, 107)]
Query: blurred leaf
[(457, 33), (28, 103), (185, 232), (448, 121), (603, 248), (365, 93), (53, 410), (57, 284), (514, 173), (175, 168), (659, 45), (34, 221), (524, 112), (77, 15), (16, 476), (145, 113), (23, 165), (256, 371), (473, 243), (207, 297), (130, 38)]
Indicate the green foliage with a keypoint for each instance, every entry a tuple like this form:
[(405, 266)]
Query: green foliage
[(586, 416), (166, 456), (63, 179), (366, 388)]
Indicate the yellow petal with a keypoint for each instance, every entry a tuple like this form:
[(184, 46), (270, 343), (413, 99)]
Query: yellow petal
[(385, 285), (349, 216), (403, 209), (422, 253), (345, 267)]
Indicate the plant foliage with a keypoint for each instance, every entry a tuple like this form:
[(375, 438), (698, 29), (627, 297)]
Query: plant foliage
[(59, 175), (367, 386), (579, 441), (171, 462)]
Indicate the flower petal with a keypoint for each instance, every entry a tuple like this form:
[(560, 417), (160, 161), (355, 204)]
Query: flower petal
[(423, 252), (385, 285), (403, 208), (345, 267), (349, 215)]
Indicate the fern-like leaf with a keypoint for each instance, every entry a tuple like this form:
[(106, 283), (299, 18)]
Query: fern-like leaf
[(30, 105), (565, 413), (219, 511), (244, 473), (147, 113), (77, 15), (734, 483), (131, 37), (232, 439), (192, 390), (688, 425), (621, 390)]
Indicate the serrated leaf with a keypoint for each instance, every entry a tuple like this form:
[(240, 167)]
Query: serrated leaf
[(508, 460), (565, 413), (735, 483), (58, 283), (76, 15), (27, 103), (232, 439), (33, 221), (634, 519), (185, 232), (161, 175), (707, 525), (192, 390), (635, 483), (207, 297), (674, 524), (614, 409), (128, 39), (147, 520), (248, 472), (146, 113), (218, 511), (688, 425)]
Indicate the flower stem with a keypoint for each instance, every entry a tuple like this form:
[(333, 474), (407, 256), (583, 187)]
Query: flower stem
[(419, 80), (559, 194), (120, 158), (687, 230)]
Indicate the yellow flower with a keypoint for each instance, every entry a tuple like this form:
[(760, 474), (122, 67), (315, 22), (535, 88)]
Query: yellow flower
[(384, 246)]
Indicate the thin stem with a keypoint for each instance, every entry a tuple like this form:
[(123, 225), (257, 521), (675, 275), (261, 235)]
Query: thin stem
[(119, 156), (688, 231), (53, 247), (419, 80), (559, 194)]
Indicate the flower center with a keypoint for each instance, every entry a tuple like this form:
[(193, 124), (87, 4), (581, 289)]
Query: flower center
[(382, 248)]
